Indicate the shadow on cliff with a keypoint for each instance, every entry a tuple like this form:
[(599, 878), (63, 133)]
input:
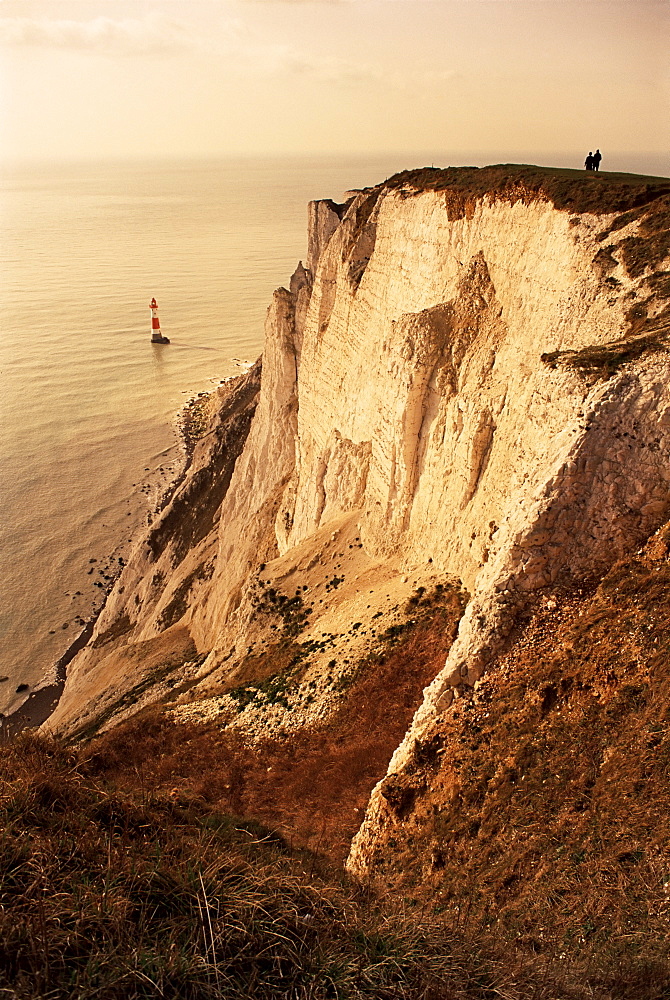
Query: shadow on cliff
[(312, 785)]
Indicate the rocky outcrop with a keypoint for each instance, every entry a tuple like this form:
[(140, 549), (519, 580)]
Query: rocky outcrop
[(141, 645), (467, 380)]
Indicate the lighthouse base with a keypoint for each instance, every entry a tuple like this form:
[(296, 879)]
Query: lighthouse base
[(158, 338)]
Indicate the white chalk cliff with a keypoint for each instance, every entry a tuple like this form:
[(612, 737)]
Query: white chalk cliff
[(468, 378)]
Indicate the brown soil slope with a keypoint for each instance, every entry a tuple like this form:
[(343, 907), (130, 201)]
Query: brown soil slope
[(534, 819), (313, 785), (536, 809)]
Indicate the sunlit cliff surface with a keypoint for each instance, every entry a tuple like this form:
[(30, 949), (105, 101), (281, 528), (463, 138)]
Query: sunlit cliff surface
[(460, 428)]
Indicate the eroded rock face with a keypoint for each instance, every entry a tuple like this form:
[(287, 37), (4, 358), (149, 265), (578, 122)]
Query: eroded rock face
[(476, 386), (423, 400), (141, 640)]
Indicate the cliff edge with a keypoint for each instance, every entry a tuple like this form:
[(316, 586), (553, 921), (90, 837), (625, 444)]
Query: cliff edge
[(463, 412)]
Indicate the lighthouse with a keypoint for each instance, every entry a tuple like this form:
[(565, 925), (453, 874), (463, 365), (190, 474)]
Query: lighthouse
[(156, 335)]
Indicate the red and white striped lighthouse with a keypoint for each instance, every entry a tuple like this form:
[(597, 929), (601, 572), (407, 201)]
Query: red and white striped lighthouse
[(156, 335)]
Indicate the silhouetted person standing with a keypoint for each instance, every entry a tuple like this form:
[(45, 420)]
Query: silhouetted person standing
[(588, 162), (597, 157)]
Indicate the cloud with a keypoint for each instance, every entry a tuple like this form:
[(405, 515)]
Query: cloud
[(277, 60), (151, 34), (156, 34)]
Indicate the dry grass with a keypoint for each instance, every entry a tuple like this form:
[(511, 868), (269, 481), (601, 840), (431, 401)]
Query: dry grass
[(117, 897), (536, 811)]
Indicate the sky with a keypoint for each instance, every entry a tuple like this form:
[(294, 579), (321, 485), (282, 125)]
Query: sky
[(140, 79)]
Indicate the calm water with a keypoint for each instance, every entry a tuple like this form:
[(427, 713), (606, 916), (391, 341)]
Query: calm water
[(87, 403)]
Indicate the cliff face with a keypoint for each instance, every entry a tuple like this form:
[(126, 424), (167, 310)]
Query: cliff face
[(465, 385)]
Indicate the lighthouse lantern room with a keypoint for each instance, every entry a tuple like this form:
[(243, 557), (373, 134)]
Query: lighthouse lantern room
[(156, 335)]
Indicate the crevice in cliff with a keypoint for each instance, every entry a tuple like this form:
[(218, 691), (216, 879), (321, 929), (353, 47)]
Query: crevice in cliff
[(320, 489), (480, 453), (440, 348), (324, 216), (363, 234)]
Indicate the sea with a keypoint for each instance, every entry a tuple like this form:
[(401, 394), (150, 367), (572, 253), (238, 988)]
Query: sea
[(88, 405)]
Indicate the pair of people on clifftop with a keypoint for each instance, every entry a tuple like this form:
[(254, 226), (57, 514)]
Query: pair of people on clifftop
[(592, 161)]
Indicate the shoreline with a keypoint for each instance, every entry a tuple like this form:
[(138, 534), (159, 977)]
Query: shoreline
[(39, 705), (188, 421)]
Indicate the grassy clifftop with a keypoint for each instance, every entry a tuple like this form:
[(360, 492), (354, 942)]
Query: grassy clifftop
[(569, 190)]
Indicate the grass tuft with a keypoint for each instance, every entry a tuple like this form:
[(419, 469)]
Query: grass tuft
[(113, 896)]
